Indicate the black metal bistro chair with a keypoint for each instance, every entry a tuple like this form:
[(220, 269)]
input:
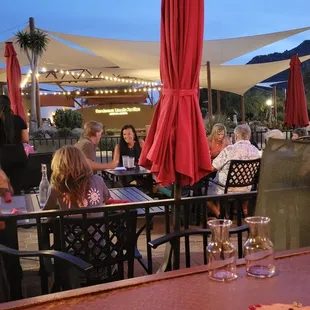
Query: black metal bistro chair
[(241, 173), (68, 265), (32, 175), (172, 239), (106, 242)]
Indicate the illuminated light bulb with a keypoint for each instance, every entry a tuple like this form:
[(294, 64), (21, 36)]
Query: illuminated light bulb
[(135, 90), (158, 88), (68, 93), (126, 81), (41, 94), (116, 91), (135, 81), (123, 80), (115, 79), (62, 71), (139, 89), (55, 70), (106, 91), (130, 90), (130, 81), (118, 80), (87, 92), (67, 72), (83, 74), (125, 90), (102, 76), (92, 76), (111, 91), (43, 69), (23, 94), (54, 93), (144, 89), (37, 75), (26, 94), (110, 79), (30, 71), (72, 73), (63, 93), (77, 92), (28, 75), (155, 83), (149, 89), (106, 77), (45, 94), (101, 91), (96, 92), (138, 82), (142, 82)]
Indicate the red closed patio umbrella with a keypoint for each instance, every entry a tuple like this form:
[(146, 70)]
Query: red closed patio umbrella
[(296, 111), (176, 148), (13, 77)]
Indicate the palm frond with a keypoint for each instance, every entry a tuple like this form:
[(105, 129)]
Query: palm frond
[(35, 41)]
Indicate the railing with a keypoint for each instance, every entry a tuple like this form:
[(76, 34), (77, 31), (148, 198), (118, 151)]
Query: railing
[(107, 144), (228, 202)]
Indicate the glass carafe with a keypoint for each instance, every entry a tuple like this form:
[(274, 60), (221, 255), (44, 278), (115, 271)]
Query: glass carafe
[(221, 252), (258, 249)]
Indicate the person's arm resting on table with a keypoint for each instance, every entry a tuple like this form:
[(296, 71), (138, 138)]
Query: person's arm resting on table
[(101, 166)]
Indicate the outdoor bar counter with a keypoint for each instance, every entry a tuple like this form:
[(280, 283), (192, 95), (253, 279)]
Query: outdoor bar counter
[(188, 289)]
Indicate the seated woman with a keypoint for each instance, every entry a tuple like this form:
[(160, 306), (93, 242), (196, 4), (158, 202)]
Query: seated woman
[(73, 184), (218, 140), (298, 133), (129, 145)]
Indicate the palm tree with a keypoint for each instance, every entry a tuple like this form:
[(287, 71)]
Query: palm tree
[(34, 44)]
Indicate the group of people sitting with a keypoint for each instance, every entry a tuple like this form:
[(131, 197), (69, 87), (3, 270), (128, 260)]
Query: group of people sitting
[(74, 182), (222, 151)]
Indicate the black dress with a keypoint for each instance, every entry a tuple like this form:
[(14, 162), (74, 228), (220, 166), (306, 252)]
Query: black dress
[(13, 158), (135, 152)]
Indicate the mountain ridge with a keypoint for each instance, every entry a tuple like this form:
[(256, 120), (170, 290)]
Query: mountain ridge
[(301, 50)]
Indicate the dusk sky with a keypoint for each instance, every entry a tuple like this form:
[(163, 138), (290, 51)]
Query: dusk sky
[(140, 19)]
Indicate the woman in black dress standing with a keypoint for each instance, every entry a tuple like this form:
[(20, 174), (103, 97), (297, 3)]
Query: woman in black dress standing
[(13, 133)]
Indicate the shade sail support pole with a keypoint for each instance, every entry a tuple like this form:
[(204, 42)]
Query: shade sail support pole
[(242, 110), (210, 112), (274, 101), (218, 102)]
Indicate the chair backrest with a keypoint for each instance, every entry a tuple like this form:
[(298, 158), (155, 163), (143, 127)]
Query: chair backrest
[(106, 242), (32, 174), (242, 173), (304, 138)]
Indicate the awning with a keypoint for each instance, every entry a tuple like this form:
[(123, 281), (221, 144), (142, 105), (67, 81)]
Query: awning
[(144, 54)]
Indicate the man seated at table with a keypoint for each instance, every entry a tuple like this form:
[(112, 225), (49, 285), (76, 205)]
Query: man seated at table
[(241, 150), (88, 145)]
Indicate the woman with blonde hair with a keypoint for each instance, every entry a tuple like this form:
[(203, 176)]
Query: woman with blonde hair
[(73, 184), (218, 140)]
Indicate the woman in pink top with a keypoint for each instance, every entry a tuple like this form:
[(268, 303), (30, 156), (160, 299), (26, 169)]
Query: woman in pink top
[(218, 140)]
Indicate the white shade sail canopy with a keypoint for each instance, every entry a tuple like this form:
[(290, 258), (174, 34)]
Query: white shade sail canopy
[(140, 60), (143, 55), (59, 55), (239, 79)]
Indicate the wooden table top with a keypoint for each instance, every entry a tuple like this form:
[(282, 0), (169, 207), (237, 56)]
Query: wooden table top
[(187, 289)]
